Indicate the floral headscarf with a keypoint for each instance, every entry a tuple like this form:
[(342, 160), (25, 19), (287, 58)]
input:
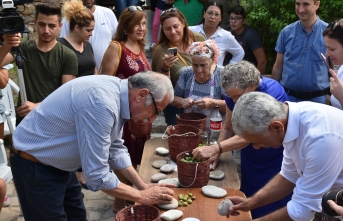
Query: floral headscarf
[(207, 48)]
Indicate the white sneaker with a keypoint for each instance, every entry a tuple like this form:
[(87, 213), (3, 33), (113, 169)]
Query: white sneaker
[(7, 202)]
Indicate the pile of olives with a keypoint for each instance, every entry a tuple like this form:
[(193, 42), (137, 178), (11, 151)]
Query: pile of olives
[(190, 160), (184, 200)]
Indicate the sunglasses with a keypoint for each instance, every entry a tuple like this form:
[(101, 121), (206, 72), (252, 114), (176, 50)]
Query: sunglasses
[(335, 24), (135, 8), (168, 10)]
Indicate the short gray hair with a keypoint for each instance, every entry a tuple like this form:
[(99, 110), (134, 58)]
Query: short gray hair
[(158, 84), (254, 111), (240, 76)]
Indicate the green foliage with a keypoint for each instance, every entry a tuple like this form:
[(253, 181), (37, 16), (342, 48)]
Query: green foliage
[(269, 17)]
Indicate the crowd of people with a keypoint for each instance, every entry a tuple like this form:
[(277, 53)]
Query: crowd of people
[(90, 87)]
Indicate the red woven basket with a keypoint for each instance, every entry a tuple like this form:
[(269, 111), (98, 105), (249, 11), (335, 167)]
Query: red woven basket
[(192, 174), (197, 120), (139, 128), (182, 138), (138, 213)]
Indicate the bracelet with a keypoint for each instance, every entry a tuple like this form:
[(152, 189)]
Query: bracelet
[(164, 70), (220, 148)]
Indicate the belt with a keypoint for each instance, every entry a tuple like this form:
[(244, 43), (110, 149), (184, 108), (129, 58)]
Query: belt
[(25, 155), (307, 95)]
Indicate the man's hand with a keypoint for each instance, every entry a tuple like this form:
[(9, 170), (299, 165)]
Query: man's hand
[(335, 207), (12, 40), (26, 108), (156, 195), (240, 203)]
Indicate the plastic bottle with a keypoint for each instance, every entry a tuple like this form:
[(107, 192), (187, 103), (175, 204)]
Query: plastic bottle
[(215, 125)]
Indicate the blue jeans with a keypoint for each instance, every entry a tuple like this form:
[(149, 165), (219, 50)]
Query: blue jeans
[(122, 4), (45, 192), (321, 99)]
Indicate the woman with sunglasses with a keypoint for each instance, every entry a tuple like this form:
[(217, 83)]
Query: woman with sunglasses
[(198, 88), (124, 57), (174, 33), (257, 166), (209, 28), (333, 38)]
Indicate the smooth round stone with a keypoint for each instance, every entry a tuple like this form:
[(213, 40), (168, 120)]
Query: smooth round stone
[(162, 151), (224, 206), (172, 214), (157, 177), (172, 205), (191, 219), (167, 168), (217, 175), (213, 191), (174, 181), (158, 163)]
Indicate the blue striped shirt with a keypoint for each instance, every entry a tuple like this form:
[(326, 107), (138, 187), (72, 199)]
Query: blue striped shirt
[(80, 124)]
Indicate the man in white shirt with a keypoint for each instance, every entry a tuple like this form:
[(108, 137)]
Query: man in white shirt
[(311, 134), (105, 28)]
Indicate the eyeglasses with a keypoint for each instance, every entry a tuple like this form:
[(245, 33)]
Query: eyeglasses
[(235, 97), (135, 8), (236, 19), (168, 10), (153, 100), (211, 13)]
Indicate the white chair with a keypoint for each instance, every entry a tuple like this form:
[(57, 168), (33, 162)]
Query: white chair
[(5, 171), (7, 99)]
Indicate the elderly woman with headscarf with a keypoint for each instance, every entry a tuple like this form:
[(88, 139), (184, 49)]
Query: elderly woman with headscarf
[(257, 166), (198, 88)]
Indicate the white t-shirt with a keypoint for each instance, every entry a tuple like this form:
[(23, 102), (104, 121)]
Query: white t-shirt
[(226, 43), (105, 28), (334, 101), (313, 154)]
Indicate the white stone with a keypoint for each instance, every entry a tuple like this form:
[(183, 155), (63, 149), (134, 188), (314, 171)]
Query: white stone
[(157, 177), (167, 168), (217, 175), (172, 214), (213, 191), (224, 206), (162, 151), (168, 206), (158, 163), (174, 181)]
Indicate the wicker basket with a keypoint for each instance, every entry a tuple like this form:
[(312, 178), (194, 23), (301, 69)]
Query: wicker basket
[(182, 138), (139, 128), (138, 213), (197, 120), (192, 174)]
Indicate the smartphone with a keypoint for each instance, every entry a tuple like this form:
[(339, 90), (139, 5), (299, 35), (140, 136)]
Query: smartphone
[(327, 65), (172, 51)]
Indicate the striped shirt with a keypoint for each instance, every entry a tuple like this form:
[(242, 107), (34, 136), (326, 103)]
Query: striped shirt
[(80, 124)]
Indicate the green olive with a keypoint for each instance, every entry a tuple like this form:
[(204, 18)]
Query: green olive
[(185, 203), (189, 201), (190, 194), (193, 197)]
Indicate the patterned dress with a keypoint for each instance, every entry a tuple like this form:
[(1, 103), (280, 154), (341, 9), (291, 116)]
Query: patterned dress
[(130, 64)]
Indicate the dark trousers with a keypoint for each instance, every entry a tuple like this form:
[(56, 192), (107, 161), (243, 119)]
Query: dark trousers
[(45, 192)]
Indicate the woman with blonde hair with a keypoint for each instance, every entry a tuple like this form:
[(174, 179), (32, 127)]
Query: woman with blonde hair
[(174, 33), (124, 57), (81, 25)]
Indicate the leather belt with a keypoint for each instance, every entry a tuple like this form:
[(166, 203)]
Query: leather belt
[(25, 155), (307, 95)]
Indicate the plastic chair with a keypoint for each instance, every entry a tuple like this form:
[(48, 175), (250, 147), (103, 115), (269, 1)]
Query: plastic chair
[(5, 171), (7, 99)]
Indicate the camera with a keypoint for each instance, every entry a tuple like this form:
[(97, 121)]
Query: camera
[(337, 197), (10, 20)]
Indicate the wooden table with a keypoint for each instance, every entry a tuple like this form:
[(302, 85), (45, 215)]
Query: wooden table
[(206, 208), (226, 164)]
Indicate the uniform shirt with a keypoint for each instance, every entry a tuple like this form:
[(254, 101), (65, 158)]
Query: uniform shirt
[(313, 156), (80, 124), (226, 43), (303, 68), (104, 30)]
